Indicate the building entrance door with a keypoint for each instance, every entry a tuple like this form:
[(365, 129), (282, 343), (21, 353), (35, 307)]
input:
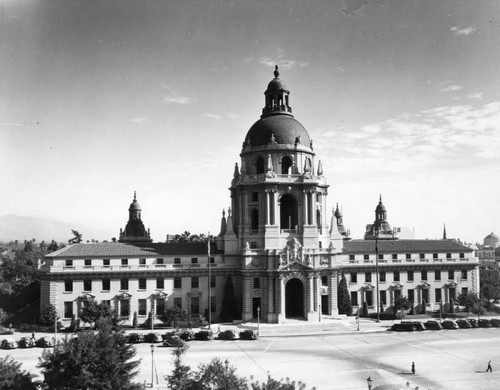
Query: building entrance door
[(324, 304), (255, 306), (294, 298)]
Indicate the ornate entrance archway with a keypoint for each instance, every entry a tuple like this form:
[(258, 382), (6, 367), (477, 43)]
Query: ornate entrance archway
[(294, 297)]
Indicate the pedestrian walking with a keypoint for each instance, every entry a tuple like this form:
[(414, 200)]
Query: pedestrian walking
[(489, 367), (413, 368)]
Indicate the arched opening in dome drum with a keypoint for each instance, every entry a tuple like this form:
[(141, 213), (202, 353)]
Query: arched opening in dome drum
[(286, 165), (288, 212), (260, 165), (254, 220)]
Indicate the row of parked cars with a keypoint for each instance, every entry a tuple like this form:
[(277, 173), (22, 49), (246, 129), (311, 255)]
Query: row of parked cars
[(178, 338), (409, 326), (27, 342)]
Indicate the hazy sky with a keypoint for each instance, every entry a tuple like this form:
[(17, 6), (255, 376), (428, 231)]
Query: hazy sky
[(101, 98)]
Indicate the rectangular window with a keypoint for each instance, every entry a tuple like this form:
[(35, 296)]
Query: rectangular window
[(106, 284), (396, 276), (354, 298), (123, 284), (424, 275), (410, 276), (177, 282), (462, 255), (382, 276), (368, 277), (255, 196), (68, 309), (212, 260), (178, 302), (124, 262), (408, 256), (88, 263), (425, 295), (422, 256), (124, 308), (160, 283), (351, 257), (256, 282), (160, 261), (464, 274), (366, 257), (142, 262), (195, 305), (394, 256), (451, 274), (142, 283), (253, 245), (383, 297), (437, 294), (68, 285), (105, 262), (195, 282), (434, 255), (194, 260), (212, 281), (177, 260), (381, 257), (87, 285), (465, 290), (69, 263), (354, 277), (448, 255), (411, 295), (213, 304), (142, 310), (437, 274)]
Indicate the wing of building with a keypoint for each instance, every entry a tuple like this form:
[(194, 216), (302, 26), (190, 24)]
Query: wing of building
[(280, 245)]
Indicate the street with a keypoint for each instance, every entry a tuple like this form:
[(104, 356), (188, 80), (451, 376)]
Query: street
[(446, 359)]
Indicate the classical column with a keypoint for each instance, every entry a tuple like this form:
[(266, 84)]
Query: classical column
[(332, 294), (312, 205), (306, 208), (311, 293), (281, 297), (268, 207), (270, 297), (315, 293)]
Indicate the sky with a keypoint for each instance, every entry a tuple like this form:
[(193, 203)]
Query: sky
[(99, 99)]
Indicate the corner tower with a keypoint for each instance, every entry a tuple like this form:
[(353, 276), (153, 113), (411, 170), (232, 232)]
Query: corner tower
[(279, 215)]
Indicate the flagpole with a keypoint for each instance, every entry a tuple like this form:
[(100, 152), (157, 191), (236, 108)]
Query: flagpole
[(209, 285)]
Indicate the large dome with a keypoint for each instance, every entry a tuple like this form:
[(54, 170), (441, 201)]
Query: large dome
[(285, 128), (491, 240)]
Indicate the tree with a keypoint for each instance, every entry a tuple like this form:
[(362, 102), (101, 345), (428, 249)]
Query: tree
[(343, 298), (94, 361), (52, 246), (77, 237), (273, 384), (401, 303), (218, 375), (229, 310), (173, 316), (181, 377), (48, 315), (468, 300), (12, 377), (94, 311)]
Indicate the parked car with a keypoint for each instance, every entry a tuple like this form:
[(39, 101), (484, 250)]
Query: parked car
[(227, 335), (484, 323), (44, 342), (495, 322), (8, 344), (249, 334), (152, 338), (187, 335), (433, 325), (26, 342), (417, 325), (135, 338), (463, 324), (204, 335), (166, 335), (472, 323), (403, 327), (449, 324), (173, 341)]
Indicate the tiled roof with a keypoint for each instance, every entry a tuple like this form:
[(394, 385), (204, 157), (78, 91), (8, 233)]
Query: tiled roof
[(404, 246), (108, 249)]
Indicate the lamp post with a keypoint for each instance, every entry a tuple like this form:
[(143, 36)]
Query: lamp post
[(369, 382), (152, 365), (357, 320), (258, 321), (376, 272), (226, 364)]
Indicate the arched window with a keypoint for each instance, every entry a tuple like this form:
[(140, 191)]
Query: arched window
[(286, 165), (260, 165), (254, 220), (318, 221), (288, 212)]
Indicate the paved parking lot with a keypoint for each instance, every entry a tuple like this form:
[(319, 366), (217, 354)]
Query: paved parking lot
[(333, 356)]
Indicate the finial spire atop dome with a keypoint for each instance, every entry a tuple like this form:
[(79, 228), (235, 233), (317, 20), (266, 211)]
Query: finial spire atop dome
[(135, 198), (276, 72)]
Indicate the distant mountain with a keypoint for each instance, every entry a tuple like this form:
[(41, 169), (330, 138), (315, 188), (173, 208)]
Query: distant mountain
[(15, 227)]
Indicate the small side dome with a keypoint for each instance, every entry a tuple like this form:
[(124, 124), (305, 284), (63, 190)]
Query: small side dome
[(380, 207), (491, 240), (276, 84), (135, 206)]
